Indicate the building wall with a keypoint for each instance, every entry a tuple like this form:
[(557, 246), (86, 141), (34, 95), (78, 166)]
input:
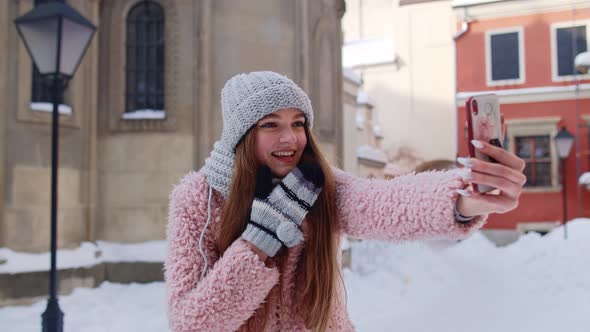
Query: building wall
[(139, 160), (115, 174), (540, 105), (27, 149), (4, 15), (413, 96), (537, 44), (350, 90)]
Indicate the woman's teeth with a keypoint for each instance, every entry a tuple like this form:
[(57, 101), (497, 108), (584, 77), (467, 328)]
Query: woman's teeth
[(283, 154)]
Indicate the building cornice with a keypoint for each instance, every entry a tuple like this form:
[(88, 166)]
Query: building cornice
[(531, 95), (511, 8)]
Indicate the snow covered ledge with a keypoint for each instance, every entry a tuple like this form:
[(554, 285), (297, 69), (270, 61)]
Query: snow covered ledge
[(585, 180), (48, 107), (24, 277), (145, 114)]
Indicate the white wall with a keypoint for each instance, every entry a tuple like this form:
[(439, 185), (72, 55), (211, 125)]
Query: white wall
[(413, 97)]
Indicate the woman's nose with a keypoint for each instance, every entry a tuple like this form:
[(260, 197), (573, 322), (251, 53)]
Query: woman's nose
[(288, 136)]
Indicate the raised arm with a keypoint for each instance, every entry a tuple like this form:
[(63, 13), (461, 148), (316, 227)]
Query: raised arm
[(408, 207), (234, 286)]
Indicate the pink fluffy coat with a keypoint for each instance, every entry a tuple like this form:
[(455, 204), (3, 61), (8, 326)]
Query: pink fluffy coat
[(409, 207)]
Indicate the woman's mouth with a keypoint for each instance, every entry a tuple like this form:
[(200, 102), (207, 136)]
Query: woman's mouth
[(284, 156)]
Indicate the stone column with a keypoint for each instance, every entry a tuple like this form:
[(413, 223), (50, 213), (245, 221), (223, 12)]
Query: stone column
[(5, 26)]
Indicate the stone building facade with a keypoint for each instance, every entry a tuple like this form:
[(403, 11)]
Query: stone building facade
[(118, 162)]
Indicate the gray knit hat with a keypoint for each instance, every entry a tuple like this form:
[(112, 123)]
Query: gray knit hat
[(245, 99)]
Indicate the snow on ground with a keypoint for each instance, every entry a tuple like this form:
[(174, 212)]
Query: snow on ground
[(538, 284), (88, 254)]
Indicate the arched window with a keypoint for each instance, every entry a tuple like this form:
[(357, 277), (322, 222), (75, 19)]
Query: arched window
[(145, 58)]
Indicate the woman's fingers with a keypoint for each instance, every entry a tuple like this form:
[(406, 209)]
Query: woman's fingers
[(507, 187), (494, 169), (502, 156), (493, 203)]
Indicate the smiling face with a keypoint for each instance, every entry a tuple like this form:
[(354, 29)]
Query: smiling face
[(280, 140)]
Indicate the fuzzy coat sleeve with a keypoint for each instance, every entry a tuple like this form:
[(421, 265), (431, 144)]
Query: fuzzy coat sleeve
[(408, 207), (235, 284)]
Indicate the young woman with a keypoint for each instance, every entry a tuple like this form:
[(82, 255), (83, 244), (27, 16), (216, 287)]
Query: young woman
[(253, 236)]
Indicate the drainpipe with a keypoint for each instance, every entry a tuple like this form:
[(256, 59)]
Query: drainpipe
[(464, 29)]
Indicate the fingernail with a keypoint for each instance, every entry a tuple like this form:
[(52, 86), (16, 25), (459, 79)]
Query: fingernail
[(477, 144), (463, 192), (465, 162)]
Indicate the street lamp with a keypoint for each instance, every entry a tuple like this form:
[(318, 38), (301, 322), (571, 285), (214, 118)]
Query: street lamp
[(582, 62), (56, 37), (563, 142)]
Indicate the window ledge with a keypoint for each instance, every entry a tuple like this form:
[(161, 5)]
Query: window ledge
[(48, 107), (509, 82), (571, 78), (534, 190), (145, 114)]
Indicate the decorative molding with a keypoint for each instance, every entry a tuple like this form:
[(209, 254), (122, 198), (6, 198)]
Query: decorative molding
[(502, 8), (548, 121), (536, 127), (301, 65), (414, 2), (554, 70), (116, 71), (5, 15), (521, 56), (531, 95), (340, 8), (203, 110), (326, 73), (541, 226), (324, 87)]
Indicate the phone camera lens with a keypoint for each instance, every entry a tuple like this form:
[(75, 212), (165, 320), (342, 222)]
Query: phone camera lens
[(475, 110)]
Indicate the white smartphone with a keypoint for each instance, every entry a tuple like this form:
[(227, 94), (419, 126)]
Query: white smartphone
[(484, 124)]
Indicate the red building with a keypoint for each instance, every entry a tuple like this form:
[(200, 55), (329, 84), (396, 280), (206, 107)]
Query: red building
[(524, 52)]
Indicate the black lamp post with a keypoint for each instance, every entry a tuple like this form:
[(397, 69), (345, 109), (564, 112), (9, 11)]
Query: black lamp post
[(563, 142), (56, 37)]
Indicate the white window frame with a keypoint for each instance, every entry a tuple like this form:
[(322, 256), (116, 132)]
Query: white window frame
[(537, 127), (554, 27), (521, 56)]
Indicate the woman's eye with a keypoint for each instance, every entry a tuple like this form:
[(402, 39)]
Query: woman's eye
[(267, 125), (299, 124)]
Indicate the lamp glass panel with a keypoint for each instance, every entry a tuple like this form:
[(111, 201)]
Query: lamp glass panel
[(563, 146), (74, 42), (41, 40)]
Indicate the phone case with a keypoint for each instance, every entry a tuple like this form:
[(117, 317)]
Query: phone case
[(484, 124)]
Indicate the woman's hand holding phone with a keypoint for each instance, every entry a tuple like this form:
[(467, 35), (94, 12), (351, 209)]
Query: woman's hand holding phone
[(495, 176), (506, 175)]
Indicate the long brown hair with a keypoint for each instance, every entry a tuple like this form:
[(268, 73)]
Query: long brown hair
[(320, 253)]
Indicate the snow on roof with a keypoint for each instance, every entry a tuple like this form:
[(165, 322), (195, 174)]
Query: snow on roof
[(363, 98), (377, 131), (585, 179), (393, 170), (465, 3), (360, 120), (352, 76), (368, 52), (371, 153)]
